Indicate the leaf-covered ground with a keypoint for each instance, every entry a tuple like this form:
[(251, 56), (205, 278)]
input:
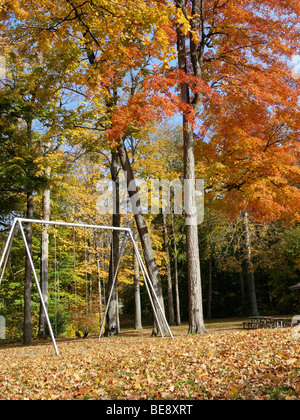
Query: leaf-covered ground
[(233, 364)]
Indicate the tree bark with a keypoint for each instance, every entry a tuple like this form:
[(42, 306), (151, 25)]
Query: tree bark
[(242, 283), (27, 339), (250, 270), (177, 297), (27, 334), (44, 261), (112, 318), (209, 300), (44, 268), (169, 276), (196, 319), (143, 232)]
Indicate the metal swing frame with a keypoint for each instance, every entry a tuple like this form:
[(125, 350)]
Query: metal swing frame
[(18, 222)]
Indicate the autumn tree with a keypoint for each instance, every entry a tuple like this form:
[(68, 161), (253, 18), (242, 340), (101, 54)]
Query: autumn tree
[(252, 157), (238, 47), (103, 41), (21, 96), (31, 88)]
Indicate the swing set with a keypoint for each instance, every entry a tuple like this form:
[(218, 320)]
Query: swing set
[(18, 223)]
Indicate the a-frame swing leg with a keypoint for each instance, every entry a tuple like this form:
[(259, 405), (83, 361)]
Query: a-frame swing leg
[(7, 249), (39, 289), (149, 286), (144, 273), (112, 286), (150, 289)]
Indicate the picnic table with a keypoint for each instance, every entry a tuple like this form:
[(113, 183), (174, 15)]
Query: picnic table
[(282, 322), (256, 322)]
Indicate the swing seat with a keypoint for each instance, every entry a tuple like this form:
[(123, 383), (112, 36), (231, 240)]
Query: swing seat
[(110, 331), (113, 329)]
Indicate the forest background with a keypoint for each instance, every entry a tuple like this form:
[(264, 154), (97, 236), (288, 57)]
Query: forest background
[(74, 89)]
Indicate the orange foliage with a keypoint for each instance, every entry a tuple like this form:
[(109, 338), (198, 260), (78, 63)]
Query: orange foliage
[(249, 155), (241, 87)]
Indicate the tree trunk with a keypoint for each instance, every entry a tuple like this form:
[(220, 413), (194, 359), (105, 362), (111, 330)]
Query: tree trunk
[(143, 232), (169, 276), (250, 270), (209, 300), (27, 288), (137, 295), (242, 283), (196, 319), (177, 297), (44, 261), (112, 318)]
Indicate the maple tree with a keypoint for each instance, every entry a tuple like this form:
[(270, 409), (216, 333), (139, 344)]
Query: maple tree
[(252, 156), (238, 48)]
